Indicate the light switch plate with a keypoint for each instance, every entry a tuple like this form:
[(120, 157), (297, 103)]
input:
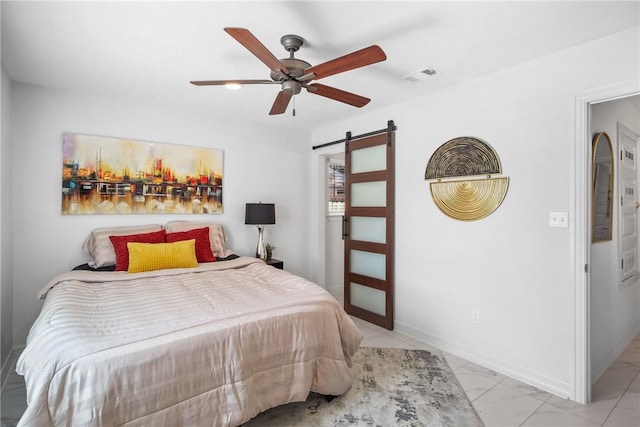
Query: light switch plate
[(559, 219)]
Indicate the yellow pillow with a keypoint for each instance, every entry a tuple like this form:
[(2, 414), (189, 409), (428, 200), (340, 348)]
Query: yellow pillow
[(158, 256)]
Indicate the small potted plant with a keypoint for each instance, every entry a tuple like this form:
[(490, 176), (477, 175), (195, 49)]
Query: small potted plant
[(269, 248)]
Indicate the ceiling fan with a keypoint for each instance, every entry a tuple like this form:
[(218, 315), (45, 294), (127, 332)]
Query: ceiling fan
[(293, 74)]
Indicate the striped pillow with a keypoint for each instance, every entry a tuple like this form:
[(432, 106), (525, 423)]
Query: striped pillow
[(99, 247), (160, 256)]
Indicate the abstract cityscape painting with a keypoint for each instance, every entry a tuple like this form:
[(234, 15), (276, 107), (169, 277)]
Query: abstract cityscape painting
[(106, 176)]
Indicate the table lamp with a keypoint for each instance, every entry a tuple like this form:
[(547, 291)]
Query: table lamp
[(260, 214)]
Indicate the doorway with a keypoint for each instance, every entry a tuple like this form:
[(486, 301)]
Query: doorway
[(334, 205), (613, 273), (581, 235), (327, 236)]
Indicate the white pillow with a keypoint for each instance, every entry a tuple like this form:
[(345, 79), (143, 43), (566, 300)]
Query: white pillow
[(99, 247), (217, 237)]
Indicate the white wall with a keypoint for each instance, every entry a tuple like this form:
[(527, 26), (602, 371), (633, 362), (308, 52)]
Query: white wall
[(259, 164), (6, 283), (334, 255), (615, 309), (511, 266)]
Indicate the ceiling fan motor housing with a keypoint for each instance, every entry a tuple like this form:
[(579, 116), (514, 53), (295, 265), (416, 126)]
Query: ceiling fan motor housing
[(291, 87), (295, 66)]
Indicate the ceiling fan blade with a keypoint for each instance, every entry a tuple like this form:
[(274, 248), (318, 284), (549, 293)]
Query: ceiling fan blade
[(224, 82), (280, 104), (360, 58), (338, 94), (249, 41)]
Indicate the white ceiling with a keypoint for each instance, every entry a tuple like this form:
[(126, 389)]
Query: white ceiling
[(150, 50)]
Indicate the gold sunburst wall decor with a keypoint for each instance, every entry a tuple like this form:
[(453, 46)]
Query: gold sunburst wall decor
[(465, 188)]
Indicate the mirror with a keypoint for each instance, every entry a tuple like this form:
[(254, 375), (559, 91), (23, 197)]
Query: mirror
[(602, 193)]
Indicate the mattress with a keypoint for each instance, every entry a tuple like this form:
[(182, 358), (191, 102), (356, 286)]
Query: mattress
[(212, 345)]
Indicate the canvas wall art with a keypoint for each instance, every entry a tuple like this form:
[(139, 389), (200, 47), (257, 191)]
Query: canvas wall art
[(102, 175)]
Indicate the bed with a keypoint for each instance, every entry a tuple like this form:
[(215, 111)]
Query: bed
[(212, 345)]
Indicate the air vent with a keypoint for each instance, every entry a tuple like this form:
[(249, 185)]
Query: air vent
[(421, 75)]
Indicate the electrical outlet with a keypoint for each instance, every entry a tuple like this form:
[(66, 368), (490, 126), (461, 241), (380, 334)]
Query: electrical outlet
[(475, 316)]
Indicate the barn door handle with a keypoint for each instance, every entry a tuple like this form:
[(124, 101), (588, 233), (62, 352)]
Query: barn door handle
[(344, 227)]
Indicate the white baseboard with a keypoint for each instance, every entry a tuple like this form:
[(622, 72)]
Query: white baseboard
[(520, 373)]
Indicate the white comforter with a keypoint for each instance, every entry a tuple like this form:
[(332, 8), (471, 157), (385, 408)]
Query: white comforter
[(210, 346)]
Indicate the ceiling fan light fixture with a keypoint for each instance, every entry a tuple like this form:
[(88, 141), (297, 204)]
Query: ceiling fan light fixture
[(233, 86)]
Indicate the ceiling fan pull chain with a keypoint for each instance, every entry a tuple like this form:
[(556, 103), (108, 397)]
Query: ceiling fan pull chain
[(294, 106)]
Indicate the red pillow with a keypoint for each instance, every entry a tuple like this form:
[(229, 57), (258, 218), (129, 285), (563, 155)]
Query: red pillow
[(122, 252), (203, 243)]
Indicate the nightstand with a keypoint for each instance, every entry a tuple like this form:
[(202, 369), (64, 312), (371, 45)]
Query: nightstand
[(277, 263)]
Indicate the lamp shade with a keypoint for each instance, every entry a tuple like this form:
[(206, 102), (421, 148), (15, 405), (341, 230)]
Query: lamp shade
[(260, 213)]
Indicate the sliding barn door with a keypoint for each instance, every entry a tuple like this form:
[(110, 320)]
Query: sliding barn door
[(368, 228)]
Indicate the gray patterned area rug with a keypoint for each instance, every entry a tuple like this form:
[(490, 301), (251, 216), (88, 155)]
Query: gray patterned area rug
[(391, 387)]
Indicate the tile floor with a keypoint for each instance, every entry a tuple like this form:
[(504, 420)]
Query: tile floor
[(505, 402), (499, 400)]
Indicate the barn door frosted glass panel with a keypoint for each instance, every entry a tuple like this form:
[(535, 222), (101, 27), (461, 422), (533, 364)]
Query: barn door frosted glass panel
[(369, 159), (368, 264), (369, 229), (369, 194), (368, 298)]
